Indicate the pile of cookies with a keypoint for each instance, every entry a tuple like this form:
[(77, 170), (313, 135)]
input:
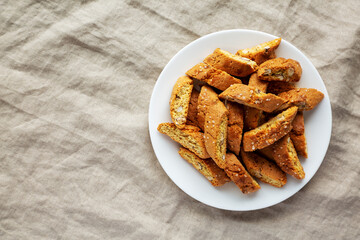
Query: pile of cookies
[(239, 117)]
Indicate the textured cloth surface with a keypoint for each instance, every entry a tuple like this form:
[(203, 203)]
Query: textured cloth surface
[(76, 160)]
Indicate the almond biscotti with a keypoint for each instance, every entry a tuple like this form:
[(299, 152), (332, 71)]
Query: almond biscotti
[(189, 137), (238, 174), (235, 126), (269, 132), (215, 132), (297, 135), (212, 76), (179, 101), (207, 167), (266, 171), (252, 97), (192, 112), (230, 63), (262, 52), (284, 154), (253, 116), (207, 98), (304, 98), (280, 69)]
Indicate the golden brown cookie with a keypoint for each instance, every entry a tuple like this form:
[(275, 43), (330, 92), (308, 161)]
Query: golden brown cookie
[(179, 101), (280, 69), (207, 167), (269, 132), (189, 137), (252, 97), (266, 171), (238, 174), (207, 98), (215, 131), (212, 76), (235, 126), (284, 154), (262, 52), (304, 98), (297, 135), (230, 63)]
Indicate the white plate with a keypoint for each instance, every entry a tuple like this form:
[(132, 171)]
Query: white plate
[(317, 124)]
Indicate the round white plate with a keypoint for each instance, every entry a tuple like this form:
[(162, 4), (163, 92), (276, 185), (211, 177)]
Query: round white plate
[(317, 124)]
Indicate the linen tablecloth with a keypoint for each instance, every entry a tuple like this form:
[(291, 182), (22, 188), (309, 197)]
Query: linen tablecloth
[(76, 160)]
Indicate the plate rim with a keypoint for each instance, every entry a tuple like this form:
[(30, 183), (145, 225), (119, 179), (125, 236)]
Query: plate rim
[(151, 106)]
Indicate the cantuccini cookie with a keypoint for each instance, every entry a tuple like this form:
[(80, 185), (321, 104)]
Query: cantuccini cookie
[(252, 97), (280, 69), (262, 52), (207, 98), (238, 174), (189, 137), (212, 76), (207, 167), (297, 135), (269, 132), (304, 98), (266, 171), (235, 126), (284, 154), (230, 63), (215, 131), (179, 101)]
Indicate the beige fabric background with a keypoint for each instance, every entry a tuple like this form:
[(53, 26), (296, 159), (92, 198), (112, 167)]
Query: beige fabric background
[(76, 160)]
